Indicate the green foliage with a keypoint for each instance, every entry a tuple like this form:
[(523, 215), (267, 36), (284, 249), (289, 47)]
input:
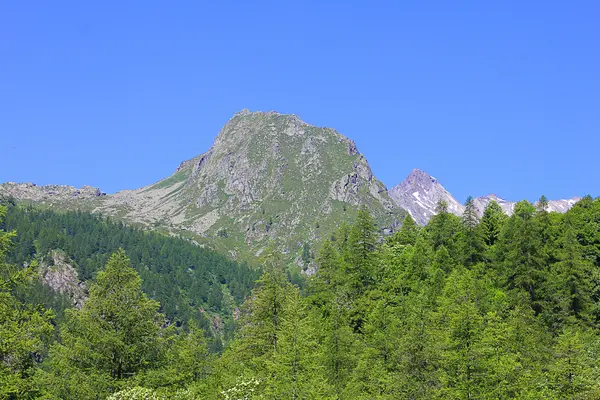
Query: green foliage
[(25, 329), (118, 340), (111, 339), (407, 234), (503, 308), (492, 223), (183, 277)]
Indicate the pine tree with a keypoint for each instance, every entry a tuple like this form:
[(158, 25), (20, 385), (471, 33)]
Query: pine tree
[(418, 349), (469, 218), (24, 329), (259, 334), (472, 243), (114, 336), (462, 358), (363, 240), (522, 262), (492, 222), (407, 234), (443, 228), (570, 283), (542, 204), (574, 373), (295, 371)]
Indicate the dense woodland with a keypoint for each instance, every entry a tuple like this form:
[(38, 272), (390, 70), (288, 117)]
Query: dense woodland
[(464, 308), (191, 283)]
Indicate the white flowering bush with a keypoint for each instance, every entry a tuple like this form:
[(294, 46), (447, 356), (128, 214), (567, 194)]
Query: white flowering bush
[(243, 390), (137, 393), (140, 393)]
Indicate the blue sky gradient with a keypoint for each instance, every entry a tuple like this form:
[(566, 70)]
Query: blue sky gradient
[(489, 97)]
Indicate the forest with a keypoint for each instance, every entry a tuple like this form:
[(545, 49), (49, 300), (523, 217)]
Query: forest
[(495, 307), (190, 282)]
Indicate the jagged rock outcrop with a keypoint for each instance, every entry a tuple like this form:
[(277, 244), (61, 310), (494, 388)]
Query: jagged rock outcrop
[(482, 202), (57, 272)]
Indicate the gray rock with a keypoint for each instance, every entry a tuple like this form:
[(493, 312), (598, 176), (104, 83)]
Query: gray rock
[(419, 194)]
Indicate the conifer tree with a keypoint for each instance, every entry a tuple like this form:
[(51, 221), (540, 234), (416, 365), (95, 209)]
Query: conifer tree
[(114, 336), (574, 373), (542, 204), (492, 222), (522, 262), (469, 218), (462, 360), (407, 234), (24, 329), (296, 371), (363, 240), (472, 243), (570, 283), (443, 227)]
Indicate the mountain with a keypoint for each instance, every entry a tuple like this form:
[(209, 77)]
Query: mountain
[(560, 206), (419, 194), (269, 178)]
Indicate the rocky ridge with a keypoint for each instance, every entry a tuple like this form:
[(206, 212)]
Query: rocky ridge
[(33, 192)]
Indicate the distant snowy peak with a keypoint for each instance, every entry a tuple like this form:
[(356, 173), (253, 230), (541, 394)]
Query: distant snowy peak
[(419, 194), (560, 206), (482, 202)]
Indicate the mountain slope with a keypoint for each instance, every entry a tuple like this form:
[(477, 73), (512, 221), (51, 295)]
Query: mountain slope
[(268, 178)]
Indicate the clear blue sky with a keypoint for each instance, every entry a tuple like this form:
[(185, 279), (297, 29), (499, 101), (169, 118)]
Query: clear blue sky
[(499, 97)]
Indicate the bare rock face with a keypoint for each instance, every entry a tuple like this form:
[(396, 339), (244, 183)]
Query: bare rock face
[(58, 273), (562, 206), (419, 194)]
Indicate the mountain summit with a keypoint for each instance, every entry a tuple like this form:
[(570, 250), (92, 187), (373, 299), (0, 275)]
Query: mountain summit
[(268, 176), (419, 194), (269, 179)]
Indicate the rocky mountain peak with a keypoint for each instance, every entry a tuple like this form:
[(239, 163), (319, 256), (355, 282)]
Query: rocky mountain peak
[(419, 194), (420, 178), (268, 176)]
